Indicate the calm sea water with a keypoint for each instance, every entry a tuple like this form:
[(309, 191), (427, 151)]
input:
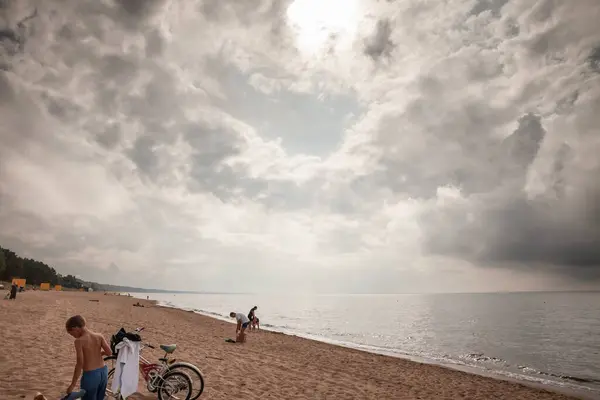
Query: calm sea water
[(549, 338)]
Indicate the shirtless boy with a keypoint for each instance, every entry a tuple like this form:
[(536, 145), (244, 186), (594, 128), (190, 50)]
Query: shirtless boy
[(90, 348)]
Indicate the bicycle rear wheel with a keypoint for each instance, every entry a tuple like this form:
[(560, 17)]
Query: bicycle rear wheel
[(175, 385), (194, 375)]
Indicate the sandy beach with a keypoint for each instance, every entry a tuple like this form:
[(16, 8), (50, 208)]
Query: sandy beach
[(37, 355)]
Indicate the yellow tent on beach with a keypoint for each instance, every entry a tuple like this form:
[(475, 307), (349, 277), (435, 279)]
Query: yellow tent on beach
[(58, 288), (19, 282), (45, 286)]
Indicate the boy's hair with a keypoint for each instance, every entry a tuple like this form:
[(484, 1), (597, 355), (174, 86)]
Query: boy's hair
[(232, 314), (76, 321)]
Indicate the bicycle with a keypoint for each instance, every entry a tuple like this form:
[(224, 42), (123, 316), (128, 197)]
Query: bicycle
[(190, 369), (152, 372), (169, 385)]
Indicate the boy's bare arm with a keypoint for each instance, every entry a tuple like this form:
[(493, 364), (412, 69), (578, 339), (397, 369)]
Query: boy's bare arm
[(78, 365), (105, 347)]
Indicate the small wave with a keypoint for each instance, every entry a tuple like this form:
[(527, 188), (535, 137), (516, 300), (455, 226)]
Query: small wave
[(481, 357), (569, 377), (215, 314), (169, 305), (580, 380)]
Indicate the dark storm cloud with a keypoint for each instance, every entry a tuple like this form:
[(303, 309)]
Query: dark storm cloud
[(560, 229), (530, 199), (526, 233), (155, 43), (132, 15), (493, 6), (143, 154), (564, 158), (380, 43), (130, 90), (268, 15), (140, 8), (594, 59), (259, 11), (449, 142), (13, 37), (520, 148), (109, 136), (210, 146), (502, 225), (6, 91), (523, 233)]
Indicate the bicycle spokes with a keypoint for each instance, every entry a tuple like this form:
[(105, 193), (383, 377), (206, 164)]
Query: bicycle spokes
[(175, 387)]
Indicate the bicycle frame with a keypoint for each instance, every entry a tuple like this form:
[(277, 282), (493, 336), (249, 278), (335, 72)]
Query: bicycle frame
[(146, 369), (150, 371)]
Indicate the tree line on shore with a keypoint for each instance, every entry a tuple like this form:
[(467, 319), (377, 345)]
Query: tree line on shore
[(34, 271)]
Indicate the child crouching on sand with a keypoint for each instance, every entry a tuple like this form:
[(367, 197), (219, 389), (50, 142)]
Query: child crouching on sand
[(90, 347), (256, 323)]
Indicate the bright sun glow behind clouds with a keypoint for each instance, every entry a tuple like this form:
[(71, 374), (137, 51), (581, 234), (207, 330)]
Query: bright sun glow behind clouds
[(317, 22)]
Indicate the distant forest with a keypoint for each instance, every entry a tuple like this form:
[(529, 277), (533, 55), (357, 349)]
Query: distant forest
[(35, 272)]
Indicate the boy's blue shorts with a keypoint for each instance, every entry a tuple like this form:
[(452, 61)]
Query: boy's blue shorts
[(94, 383)]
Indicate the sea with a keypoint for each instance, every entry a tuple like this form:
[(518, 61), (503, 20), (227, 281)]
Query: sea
[(544, 338)]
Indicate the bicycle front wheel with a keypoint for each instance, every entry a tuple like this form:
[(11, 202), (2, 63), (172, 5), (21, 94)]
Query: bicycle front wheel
[(175, 385)]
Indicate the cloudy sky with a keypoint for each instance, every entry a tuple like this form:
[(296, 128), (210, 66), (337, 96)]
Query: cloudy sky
[(304, 145)]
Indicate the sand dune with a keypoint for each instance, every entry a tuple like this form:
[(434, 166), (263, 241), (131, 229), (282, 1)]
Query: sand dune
[(37, 355)]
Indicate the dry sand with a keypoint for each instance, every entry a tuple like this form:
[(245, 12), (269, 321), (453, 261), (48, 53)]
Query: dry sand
[(37, 355)]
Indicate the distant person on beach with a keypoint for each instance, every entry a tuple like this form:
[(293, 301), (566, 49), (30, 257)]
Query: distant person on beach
[(242, 324), (90, 347), (255, 323), (13, 291), (252, 316)]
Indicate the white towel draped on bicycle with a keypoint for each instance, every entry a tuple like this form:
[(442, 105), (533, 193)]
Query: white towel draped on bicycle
[(127, 369)]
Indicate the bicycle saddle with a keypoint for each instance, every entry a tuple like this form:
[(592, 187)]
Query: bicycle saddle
[(168, 348)]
